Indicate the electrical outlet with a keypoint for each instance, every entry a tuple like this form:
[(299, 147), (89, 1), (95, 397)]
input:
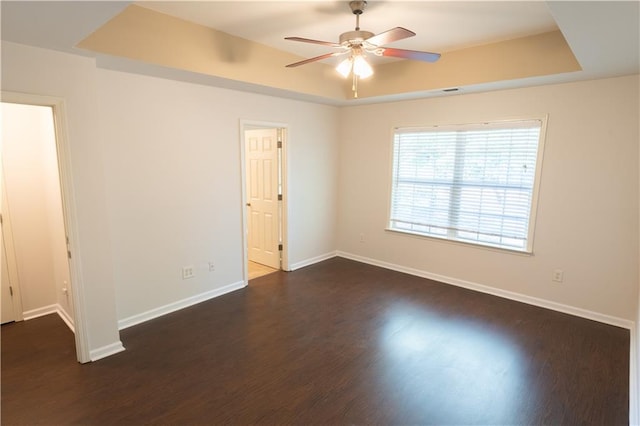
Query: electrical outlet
[(558, 275), (212, 267), (188, 272)]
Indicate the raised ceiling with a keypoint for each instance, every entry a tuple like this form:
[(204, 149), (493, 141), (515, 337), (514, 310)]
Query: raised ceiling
[(485, 45), (440, 26)]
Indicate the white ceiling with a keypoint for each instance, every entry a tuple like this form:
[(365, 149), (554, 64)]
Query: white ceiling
[(604, 35)]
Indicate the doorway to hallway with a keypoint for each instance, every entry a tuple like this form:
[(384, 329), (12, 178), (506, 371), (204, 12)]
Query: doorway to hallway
[(264, 184), (39, 227)]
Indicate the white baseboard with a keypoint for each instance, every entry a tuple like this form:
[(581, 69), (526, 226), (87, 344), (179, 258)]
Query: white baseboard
[(311, 261), (66, 318), (105, 351), (180, 304), (40, 312), (554, 306)]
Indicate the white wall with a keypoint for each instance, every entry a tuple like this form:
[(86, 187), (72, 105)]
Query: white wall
[(587, 222), (43, 72), (172, 166)]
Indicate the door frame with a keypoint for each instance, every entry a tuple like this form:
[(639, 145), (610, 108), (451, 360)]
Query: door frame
[(68, 210), (284, 205)]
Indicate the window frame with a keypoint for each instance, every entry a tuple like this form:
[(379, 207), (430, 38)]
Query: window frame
[(529, 249)]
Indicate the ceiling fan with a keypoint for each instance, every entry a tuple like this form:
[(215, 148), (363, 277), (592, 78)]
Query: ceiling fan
[(358, 43)]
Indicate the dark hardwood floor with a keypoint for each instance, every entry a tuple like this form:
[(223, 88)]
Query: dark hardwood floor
[(335, 343)]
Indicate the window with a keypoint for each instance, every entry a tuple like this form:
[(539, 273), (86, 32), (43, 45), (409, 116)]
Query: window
[(474, 183)]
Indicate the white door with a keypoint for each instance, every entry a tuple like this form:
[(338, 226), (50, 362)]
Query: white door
[(262, 196)]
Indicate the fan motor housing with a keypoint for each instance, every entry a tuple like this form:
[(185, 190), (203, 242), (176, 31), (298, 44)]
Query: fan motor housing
[(357, 7), (354, 37)]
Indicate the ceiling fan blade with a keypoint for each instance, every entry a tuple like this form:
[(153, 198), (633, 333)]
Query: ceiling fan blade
[(394, 34), (410, 54), (317, 58), (308, 40)]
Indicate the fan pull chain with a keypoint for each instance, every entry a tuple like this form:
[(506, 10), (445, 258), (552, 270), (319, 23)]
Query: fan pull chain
[(354, 85)]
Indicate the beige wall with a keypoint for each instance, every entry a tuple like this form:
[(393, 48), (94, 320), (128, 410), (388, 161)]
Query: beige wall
[(34, 201), (587, 222)]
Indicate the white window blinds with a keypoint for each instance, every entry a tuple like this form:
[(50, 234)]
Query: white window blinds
[(471, 183)]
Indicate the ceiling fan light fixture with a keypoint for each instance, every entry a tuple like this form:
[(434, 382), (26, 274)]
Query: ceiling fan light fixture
[(358, 42), (344, 67), (361, 67)]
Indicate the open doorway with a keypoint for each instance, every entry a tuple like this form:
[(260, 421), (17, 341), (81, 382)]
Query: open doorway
[(264, 187), (37, 277)]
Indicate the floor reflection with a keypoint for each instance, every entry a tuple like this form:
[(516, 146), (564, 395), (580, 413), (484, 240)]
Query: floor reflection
[(472, 372)]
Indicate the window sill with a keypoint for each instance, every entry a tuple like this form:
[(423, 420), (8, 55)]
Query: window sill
[(463, 243)]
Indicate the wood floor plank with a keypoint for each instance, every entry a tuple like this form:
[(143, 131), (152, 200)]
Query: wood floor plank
[(338, 342)]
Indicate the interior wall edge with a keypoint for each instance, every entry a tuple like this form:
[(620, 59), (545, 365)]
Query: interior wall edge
[(105, 351), (518, 297)]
